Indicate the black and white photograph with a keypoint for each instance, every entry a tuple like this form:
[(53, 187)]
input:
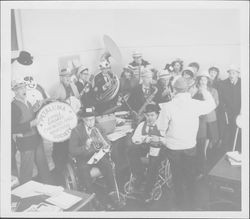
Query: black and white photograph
[(126, 109)]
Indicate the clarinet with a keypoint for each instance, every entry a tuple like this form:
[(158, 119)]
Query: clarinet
[(140, 115)]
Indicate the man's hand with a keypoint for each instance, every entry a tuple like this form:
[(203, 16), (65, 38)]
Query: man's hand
[(88, 143), (155, 139), (147, 139), (34, 122)]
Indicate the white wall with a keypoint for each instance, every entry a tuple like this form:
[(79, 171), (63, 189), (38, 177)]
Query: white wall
[(210, 37)]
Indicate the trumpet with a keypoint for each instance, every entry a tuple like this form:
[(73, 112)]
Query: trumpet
[(98, 141)]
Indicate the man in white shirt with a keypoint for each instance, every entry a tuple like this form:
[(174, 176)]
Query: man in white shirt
[(178, 122)]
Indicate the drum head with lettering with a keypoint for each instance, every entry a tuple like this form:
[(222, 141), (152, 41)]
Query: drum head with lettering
[(56, 120)]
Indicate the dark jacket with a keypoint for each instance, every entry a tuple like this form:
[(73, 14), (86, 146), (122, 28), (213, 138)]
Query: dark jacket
[(77, 143), (137, 98), (230, 98), (21, 116)]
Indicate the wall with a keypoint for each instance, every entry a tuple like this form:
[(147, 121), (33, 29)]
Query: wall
[(210, 37)]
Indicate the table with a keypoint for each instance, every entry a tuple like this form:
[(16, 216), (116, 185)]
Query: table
[(84, 204), (225, 184)]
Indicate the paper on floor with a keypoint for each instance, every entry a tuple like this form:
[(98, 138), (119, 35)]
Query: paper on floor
[(33, 188), (64, 200)]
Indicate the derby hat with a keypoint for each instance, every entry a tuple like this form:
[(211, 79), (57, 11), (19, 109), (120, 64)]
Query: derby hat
[(65, 72), (152, 108), (86, 112), (25, 58), (17, 83), (233, 68), (137, 55)]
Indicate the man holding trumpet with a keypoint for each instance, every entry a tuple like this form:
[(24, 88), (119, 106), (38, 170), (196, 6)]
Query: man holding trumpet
[(84, 142)]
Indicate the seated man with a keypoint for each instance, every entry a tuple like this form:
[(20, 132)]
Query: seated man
[(83, 145), (147, 140)]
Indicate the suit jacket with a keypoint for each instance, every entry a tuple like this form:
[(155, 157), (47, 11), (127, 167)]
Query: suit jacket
[(137, 98), (231, 97), (77, 143)]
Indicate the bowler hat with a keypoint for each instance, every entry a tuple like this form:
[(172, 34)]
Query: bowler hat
[(152, 108), (137, 54), (25, 58), (86, 112), (233, 68), (17, 83), (65, 72), (81, 69)]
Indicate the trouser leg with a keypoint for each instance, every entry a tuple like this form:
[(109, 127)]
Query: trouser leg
[(60, 155), (106, 169), (135, 152), (42, 163), (176, 171), (152, 172), (183, 175), (85, 177), (27, 165), (13, 157)]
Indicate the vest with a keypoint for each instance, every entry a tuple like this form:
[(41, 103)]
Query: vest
[(153, 130)]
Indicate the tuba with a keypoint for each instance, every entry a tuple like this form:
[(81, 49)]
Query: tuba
[(113, 85)]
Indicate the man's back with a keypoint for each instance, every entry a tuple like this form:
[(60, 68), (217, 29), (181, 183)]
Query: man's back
[(179, 118)]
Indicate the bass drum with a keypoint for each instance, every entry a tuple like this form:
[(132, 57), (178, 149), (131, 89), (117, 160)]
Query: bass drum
[(56, 120)]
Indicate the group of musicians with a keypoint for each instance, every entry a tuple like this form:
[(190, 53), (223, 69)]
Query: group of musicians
[(176, 113)]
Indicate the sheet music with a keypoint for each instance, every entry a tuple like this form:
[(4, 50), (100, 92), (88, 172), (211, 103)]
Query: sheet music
[(33, 188), (64, 200)]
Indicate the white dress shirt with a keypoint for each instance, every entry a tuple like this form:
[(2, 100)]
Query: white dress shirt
[(179, 119)]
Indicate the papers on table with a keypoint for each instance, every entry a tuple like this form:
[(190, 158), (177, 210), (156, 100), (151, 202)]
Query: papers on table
[(97, 156), (64, 200), (43, 207), (234, 158), (33, 188), (120, 131), (14, 181)]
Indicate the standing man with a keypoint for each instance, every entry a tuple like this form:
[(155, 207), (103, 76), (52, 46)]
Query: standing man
[(141, 92), (28, 141), (179, 122), (231, 102), (62, 92)]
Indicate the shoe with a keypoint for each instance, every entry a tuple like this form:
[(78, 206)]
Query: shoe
[(137, 187), (147, 197)]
